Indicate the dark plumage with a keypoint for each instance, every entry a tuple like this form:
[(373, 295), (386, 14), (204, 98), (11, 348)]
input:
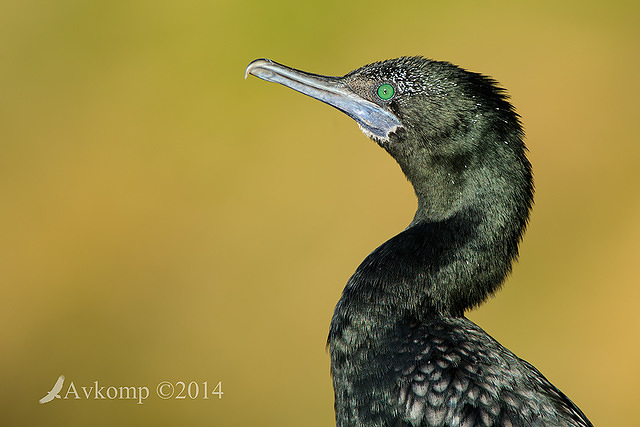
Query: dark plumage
[(402, 352)]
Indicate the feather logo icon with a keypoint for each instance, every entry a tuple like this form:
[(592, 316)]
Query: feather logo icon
[(54, 393)]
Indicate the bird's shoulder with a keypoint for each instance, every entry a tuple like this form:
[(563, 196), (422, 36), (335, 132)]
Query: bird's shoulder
[(453, 373)]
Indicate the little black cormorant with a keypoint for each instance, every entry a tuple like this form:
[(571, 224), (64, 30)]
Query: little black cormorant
[(402, 351)]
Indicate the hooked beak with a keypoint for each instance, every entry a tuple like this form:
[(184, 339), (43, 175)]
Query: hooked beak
[(375, 121)]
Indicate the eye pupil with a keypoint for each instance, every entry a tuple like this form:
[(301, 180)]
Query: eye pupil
[(385, 91)]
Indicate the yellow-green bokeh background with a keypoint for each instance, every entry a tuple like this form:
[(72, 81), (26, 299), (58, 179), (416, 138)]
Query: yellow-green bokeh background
[(164, 219)]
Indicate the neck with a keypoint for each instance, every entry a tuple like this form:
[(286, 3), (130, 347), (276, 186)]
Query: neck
[(442, 264), (474, 191)]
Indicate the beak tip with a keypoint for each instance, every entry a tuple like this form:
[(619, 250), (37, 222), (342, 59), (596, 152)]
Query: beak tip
[(256, 63)]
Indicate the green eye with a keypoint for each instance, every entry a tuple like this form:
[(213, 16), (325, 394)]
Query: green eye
[(385, 91)]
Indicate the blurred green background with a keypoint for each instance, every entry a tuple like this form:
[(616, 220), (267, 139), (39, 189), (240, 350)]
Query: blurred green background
[(163, 219)]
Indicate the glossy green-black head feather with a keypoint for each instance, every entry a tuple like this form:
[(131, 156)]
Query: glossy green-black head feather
[(434, 100)]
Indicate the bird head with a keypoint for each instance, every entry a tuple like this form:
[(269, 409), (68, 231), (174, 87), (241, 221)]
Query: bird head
[(449, 129)]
